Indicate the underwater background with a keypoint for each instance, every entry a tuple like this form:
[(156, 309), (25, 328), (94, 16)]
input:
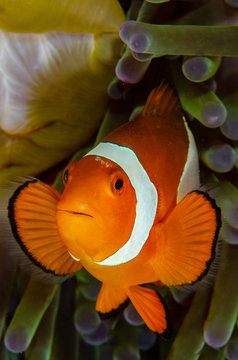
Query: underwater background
[(72, 71)]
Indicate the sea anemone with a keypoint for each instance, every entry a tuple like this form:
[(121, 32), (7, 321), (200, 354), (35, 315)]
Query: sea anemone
[(193, 46)]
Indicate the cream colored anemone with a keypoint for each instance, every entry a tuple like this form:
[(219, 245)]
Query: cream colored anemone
[(56, 60)]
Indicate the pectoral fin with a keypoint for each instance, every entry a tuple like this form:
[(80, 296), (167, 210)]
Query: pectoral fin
[(186, 240), (31, 212)]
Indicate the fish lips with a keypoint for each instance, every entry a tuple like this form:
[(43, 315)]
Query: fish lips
[(75, 212)]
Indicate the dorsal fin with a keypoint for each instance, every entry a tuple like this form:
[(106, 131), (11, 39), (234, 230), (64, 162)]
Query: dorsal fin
[(161, 102)]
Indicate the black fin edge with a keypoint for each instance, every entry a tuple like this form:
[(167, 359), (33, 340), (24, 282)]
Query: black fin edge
[(11, 216), (167, 334), (114, 312), (214, 244)]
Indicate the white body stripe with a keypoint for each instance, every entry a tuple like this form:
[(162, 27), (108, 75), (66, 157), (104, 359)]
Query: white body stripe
[(146, 196), (73, 256), (189, 180)]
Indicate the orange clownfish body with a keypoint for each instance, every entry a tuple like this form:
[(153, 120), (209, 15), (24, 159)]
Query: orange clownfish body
[(130, 213)]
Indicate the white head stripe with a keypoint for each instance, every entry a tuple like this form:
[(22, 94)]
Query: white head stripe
[(146, 196)]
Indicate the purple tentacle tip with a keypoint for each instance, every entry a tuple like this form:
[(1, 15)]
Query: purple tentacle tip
[(86, 321), (216, 336), (213, 114), (132, 316), (99, 336), (131, 71), (230, 126), (16, 341), (138, 42), (124, 31), (232, 351), (146, 339)]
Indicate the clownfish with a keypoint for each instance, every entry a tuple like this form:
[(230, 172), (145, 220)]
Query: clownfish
[(131, 213)]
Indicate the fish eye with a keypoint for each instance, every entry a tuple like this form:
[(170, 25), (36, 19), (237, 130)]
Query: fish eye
[(118, 184), (65, 176)]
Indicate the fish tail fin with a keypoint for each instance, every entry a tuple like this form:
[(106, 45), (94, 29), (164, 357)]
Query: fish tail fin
[(150, 307), (162, 102), (31, 213), (187, 240)]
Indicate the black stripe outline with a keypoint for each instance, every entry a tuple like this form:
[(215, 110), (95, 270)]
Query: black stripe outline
[(168, 331), (219, 224), (114, 312)]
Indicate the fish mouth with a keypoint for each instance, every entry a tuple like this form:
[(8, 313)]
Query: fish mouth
[(75, 213)]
